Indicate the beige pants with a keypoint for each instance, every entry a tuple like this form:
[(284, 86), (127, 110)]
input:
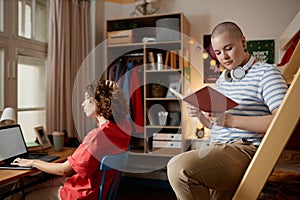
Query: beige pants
[(209, 173)]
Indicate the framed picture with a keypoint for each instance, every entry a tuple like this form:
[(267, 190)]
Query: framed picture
[(211, 66), (174, 85), (42, 137)]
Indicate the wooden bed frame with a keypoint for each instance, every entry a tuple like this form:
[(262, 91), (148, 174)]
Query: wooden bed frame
[(277, 135)]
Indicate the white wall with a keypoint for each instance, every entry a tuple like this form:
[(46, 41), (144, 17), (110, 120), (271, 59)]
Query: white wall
[(259, 19)]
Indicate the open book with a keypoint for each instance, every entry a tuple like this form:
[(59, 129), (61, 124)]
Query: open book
[(207, 99)]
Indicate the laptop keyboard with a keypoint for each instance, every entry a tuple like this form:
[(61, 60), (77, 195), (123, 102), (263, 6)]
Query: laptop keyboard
[(46, 158), (9, 166)]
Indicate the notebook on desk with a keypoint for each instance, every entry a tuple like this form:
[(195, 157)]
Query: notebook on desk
[(12, 146)]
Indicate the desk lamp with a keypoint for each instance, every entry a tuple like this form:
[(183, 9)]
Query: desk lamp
[(8, 116)]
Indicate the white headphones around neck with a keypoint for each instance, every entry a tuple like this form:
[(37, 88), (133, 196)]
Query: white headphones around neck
[(239, 72)]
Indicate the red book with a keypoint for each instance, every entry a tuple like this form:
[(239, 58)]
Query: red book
[(207, 99)]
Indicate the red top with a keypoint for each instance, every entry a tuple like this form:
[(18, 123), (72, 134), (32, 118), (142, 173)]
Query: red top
[(111, 138)]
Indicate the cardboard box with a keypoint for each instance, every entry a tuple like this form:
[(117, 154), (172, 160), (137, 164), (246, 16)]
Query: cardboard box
[(120, 37)]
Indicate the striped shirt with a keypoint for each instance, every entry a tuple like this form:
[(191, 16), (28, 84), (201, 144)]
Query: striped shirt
[(258, 93)]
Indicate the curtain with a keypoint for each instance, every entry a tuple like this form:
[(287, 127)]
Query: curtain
[(69, 44)]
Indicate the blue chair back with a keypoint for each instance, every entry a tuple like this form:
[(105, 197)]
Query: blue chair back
[(117, 163)]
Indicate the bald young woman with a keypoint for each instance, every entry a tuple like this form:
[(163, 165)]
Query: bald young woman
[(215, 172)]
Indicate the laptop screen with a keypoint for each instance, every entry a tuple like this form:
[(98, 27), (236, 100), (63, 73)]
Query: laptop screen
[(12, 143)]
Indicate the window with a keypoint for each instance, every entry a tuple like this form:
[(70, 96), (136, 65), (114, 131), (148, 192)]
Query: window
[(31, 93), (23, 36), (33, 19)]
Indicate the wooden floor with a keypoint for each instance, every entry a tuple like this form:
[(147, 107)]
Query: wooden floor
[(284, 182)]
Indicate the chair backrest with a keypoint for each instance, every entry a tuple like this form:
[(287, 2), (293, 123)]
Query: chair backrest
[(116, 163)]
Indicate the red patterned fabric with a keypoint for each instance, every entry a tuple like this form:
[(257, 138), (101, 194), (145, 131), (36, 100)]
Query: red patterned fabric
[(289, 52)]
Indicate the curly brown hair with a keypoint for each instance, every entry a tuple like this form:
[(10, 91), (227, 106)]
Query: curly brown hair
[(110, 99)]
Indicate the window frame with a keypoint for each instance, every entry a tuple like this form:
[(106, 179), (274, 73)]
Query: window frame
[(15, 45)]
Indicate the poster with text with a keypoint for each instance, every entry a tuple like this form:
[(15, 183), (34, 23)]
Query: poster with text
[(262, 50)]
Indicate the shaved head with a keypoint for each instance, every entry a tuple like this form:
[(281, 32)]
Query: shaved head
[(228, 27)]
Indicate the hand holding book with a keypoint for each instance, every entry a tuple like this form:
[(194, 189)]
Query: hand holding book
[(207, 99), (204, 117)]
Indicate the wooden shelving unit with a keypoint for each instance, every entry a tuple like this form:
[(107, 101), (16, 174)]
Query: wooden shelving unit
[(129, 43)]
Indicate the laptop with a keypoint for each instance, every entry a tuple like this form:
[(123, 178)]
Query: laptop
[(12, 146)]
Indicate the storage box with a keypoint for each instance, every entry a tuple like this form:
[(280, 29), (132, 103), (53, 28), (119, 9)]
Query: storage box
[(167, 136), (168, 29), (166, 144), (120, 37)]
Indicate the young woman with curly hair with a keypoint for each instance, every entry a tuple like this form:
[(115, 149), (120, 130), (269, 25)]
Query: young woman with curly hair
[(105, 102)]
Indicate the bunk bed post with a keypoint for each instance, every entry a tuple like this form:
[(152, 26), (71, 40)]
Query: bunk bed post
[(272, 144)]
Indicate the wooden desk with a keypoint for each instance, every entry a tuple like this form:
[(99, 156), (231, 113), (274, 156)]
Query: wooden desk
[(7, 176)]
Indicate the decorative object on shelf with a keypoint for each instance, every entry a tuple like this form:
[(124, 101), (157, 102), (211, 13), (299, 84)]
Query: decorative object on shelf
[(159, 61), (146, 7), (158, 90), (8, 116), (168, 29), (151, 118), (175, 86), (153, 114), (174, 118), (162, 118), (42, 137)]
